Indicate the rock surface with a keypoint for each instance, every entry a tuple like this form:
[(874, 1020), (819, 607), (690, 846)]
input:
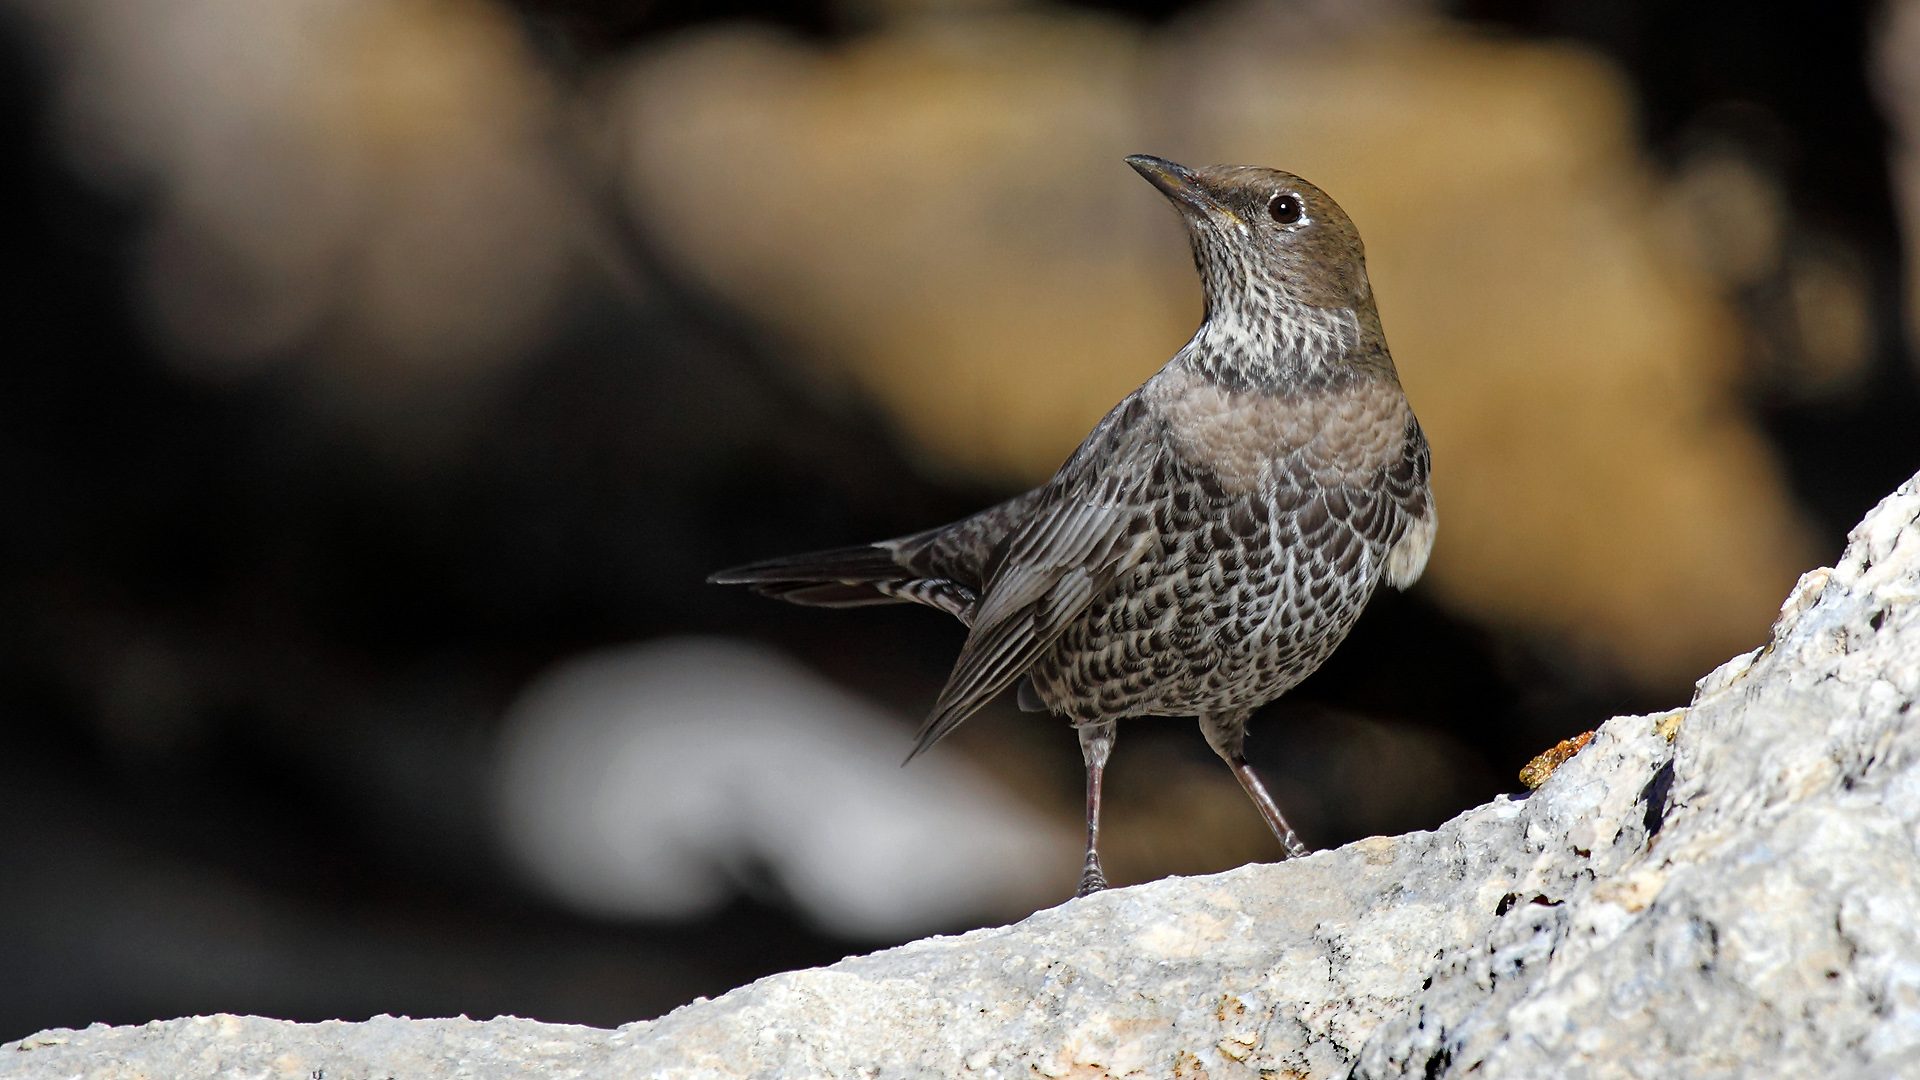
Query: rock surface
[(1732, 889)]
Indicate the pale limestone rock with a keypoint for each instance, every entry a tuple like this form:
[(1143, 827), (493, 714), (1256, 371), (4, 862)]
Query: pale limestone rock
[(1728, 890)]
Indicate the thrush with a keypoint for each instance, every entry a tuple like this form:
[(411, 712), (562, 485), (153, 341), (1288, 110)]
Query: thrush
[(1214, 539)]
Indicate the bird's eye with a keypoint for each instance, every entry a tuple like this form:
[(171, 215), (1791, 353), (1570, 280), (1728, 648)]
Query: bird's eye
[(1285, 209)]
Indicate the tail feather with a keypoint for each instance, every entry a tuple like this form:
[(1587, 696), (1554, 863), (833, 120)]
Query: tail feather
[(833, 594), (866, 562), (851, 577), (841, 578)]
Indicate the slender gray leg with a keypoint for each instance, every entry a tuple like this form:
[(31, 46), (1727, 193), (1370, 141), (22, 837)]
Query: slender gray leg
[(1096, 744), (1228, 735)]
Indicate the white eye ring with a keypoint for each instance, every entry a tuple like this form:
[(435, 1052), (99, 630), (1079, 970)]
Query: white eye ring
[(1285, 208)]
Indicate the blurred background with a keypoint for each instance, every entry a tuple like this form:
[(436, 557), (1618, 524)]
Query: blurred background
[(382, 377)]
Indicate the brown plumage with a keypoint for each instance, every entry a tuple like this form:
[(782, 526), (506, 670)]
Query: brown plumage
[(1215, 537)]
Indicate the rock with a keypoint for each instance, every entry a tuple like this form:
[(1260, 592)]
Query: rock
[(1725, 890)]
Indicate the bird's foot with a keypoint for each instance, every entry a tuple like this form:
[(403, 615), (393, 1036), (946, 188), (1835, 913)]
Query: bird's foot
[(1091, 879)]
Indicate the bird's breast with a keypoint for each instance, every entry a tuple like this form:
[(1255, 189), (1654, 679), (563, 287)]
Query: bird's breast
[(1336, 435)]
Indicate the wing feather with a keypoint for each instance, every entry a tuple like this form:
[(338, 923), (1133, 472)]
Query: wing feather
[(1089, 527), (1415, 521)]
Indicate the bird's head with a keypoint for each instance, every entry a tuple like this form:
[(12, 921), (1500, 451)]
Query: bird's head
[(1262, 236)]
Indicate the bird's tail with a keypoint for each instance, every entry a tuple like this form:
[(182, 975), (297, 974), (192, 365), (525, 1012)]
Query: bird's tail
[(841, 577)]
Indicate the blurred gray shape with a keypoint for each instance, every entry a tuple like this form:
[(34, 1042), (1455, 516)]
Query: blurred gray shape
[(656, 781)]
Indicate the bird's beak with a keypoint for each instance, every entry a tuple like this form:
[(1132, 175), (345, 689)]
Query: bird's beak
[(1178, 184)]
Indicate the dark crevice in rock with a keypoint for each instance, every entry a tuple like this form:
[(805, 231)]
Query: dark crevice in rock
[(1655, 796)]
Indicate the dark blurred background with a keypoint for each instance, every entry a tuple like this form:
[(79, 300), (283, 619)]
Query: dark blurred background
[(385, 375)]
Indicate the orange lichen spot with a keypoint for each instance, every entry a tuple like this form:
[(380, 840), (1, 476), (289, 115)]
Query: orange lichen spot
[(1542, 766)]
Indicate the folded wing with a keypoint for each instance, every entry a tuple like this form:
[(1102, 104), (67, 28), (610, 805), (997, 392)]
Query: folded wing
[(1092, 523)]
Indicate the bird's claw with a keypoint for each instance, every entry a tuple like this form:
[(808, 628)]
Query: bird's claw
[(1091, 879)]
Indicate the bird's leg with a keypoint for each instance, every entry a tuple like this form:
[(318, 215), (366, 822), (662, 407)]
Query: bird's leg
[(1096, 743), (1228, 736), (1275, 820)]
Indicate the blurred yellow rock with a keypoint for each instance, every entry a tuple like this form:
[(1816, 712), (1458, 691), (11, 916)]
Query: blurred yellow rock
[(1894, 67), (938, 212), (941, 213)]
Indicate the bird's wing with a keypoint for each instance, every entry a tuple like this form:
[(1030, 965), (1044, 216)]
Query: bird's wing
[(1092, 523), (1415, 522)]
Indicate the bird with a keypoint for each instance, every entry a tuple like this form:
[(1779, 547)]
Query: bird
[(1216, 535)]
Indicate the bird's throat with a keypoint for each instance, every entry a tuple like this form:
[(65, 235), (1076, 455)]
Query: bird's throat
[(1268, 344)]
